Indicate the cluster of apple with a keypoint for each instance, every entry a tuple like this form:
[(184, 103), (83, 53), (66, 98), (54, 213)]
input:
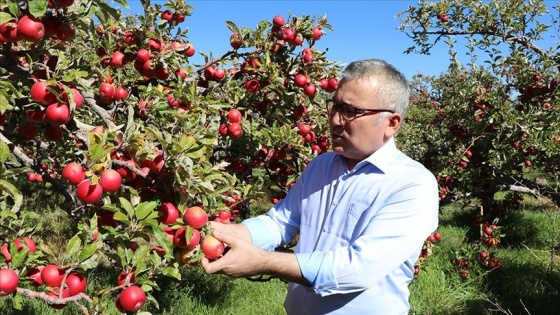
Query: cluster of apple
[(32, 29), (489, 261), (59, 283), (188, 234), (148, 57), (89, 191), (427, 250), (52, 106), (233, 127)]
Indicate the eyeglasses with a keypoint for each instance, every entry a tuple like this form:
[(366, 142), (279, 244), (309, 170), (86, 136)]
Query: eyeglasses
[(348, 112)]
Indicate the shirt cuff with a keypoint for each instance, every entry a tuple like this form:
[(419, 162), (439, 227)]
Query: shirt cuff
[(317, 269), (261, 235)]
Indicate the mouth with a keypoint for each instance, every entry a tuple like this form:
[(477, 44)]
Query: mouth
[(336, 137)]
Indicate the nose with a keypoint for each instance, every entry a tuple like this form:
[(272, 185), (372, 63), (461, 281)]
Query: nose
[(336, 119)]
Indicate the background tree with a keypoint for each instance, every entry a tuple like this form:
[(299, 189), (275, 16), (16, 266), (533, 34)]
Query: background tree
[(490, 124)]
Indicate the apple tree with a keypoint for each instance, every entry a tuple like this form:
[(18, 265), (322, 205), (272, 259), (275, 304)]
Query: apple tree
[(490, 124), (141, 146)]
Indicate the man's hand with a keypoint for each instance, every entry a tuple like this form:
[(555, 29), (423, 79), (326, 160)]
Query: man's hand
[(243, 259)]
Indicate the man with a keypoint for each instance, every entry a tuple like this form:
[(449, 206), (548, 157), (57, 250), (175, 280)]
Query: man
[(362, 211)]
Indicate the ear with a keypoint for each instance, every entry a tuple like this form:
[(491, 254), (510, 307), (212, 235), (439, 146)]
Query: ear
[(394, 123)]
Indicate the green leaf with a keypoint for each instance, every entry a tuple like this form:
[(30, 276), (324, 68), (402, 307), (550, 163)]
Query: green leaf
[(88, 251), (90, 263), (172, 272), (186, 142), (17, 302), (107, 9), (13, 7), (198, 153), (73, 246), (97, 147), (123, 3), (158, 135), (14, 193), (4, 152), (37, 8), (18, 257), (232, 27), (127, 206), (121, 217), (163, 240), (5, 17), (73, 75), (139, 256), (144, 209)]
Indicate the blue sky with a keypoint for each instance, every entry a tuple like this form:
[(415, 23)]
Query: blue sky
[(362, 29)]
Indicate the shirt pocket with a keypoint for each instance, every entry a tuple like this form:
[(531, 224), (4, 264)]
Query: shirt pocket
[(350, 229)]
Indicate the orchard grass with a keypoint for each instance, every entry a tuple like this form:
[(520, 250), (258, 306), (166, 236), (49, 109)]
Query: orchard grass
[(527, 283)]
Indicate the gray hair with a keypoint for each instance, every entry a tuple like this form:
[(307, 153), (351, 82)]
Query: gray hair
[(393, 90)]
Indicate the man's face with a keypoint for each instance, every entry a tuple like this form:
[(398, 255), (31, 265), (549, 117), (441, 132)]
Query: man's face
[(359, 137)]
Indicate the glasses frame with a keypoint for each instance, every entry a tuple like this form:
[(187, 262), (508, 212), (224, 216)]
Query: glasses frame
[(335, 107)]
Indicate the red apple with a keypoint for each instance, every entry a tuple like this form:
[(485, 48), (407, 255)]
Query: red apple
[(31, 28), (88, 193), (235, 130), (73, 173), (169, 213), (132, 298), (76, 283), (110, 181), (52, 275), (234, 115), (195, 216), (212, 247), (8, 282)]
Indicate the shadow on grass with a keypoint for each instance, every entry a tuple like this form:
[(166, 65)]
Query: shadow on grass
[(526, 289), (207, 289)]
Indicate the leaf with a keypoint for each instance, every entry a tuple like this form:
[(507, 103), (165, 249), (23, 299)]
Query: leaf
[(19, 257), (144, 209), (139, 255), (198, 153), (172, 272), (107, 9), (14, 193), (73, 246), (186, 142), (17, 302), (127, 206), (232, 27), (97, 147), (3, 103), (123, 3), (5, 17), (121, 217), (88, 251), (73, 75), (90, 263), (158, 135), (37, 8), (163, 240), (82, 125)]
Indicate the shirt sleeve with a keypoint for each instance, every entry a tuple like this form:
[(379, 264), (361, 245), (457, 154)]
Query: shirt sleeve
[(394, 235)]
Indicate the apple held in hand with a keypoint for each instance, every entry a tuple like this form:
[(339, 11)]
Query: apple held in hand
[(212, 247)]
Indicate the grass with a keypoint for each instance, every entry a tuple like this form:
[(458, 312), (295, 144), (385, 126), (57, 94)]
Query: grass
[(527, 283)]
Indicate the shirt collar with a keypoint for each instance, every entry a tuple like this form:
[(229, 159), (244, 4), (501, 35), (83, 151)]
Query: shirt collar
[(382, 158)]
